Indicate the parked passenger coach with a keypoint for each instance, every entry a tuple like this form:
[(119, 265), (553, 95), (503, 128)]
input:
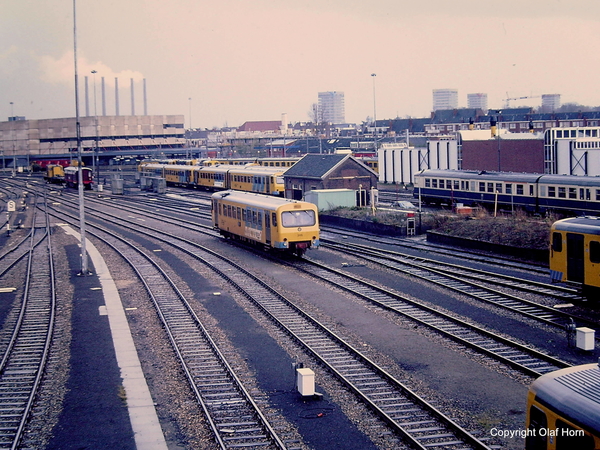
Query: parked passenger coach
[(275, 223), (575, 253), (536, 193)]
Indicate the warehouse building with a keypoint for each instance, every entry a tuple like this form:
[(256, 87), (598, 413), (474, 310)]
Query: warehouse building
[(109, 135)]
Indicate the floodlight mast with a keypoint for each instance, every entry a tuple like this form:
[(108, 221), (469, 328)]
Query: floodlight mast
[(84, 256)]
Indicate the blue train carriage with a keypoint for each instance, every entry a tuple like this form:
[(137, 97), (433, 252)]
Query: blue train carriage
[(260, 179), (275, 223), (563, 410), (571, 193), (575, 253), (470, 187)]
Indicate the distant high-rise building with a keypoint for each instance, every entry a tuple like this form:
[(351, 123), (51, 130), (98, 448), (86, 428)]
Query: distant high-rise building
[(332, 107), (477, 101), (550, 102), (445, 99)]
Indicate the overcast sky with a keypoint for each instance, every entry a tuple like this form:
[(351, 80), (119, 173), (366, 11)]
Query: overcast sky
[(241, 60)]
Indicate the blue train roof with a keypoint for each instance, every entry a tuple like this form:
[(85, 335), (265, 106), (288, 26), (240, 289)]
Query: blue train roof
[(574, 391), (482, 175)]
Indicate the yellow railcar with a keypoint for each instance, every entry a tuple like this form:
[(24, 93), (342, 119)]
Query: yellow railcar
[(280, 224), (563, 410), (213, 177), (252, 178), (575, 253)]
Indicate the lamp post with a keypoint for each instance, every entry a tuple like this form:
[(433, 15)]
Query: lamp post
[(84, 255), (96, 160), (187, 146), (373, 75), (14, 137), (496, 124)]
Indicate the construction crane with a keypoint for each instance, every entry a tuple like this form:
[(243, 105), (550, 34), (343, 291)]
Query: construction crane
[(508, 99)]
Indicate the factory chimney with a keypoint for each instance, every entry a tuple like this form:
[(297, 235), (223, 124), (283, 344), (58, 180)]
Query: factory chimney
[(103, 99), (132, 98), (87, 98), (145, 100), (116, 96)]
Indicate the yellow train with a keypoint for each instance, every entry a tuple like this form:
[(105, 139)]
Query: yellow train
[(55, 173), (267, 162), (275, 223), (249, 178), (575, 253), (563, 410)]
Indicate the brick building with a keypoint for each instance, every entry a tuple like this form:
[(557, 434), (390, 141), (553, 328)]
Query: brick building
[(328, 172)]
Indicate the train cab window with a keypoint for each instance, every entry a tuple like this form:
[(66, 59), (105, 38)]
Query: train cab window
[(572, 192), (557, 242), (595, 252), (569, 438), (304, 218), (537, 421), (562, 192)]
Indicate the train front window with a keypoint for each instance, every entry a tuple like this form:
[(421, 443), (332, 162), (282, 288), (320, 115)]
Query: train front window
[(304, 218)]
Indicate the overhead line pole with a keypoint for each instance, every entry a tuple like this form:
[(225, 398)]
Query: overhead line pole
[(84, 256)]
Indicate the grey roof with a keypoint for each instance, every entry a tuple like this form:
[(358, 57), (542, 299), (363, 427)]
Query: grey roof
[(314, 166)]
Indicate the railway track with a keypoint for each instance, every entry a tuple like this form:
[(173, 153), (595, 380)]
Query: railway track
[(420, 244), (520, 357), (233, 414), (25, 352), (418, 423), (476, 284)]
